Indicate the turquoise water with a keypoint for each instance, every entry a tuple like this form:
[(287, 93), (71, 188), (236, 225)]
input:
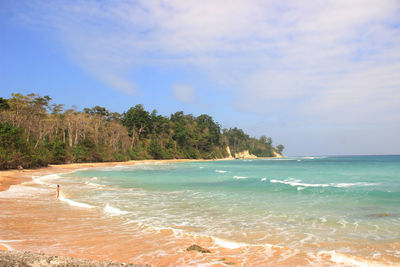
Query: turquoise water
[(349, 204)]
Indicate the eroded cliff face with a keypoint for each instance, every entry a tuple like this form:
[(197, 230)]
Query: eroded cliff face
[(244, 155), (277, 155), (228, 151)]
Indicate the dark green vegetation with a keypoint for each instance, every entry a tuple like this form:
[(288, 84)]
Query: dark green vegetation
[(34, 133)]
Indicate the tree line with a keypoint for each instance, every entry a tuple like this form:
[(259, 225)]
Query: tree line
[(35, 132)]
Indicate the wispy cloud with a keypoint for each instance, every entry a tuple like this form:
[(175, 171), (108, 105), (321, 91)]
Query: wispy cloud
[(183, 93), (333, 57)]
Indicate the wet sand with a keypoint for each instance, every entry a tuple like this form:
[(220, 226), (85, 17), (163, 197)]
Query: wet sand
[(13, 177), (45, 225)]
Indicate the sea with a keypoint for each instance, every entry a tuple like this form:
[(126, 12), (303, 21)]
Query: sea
[(307, 211)]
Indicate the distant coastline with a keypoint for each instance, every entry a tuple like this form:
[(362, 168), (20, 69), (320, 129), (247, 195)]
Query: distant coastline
[(35, 132)]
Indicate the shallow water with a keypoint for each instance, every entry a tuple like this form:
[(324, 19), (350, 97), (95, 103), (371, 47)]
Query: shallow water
[(312, 210)]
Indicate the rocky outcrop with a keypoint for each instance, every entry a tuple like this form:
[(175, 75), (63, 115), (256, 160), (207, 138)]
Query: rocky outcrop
[(276, 154), (24, 258), (228, 151), (198, 249), (244, 155)]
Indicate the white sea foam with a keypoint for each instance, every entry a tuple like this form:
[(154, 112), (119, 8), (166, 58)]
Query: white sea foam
[(350, 260), (294, 182), (353, 184), (234, 245), (240, 177), (114, 211), (220, 171), (263, 179), (94, 184), (300, 188), (343, 222), (42, 179), (228, 244), (23, 191), (75, 203), (297, 182)]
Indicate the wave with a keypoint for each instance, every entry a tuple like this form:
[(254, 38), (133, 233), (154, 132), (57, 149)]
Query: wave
[(23, 191), (229, 244), (41, 180), (342, 259), (240, 177), (220, 171), (293, 182), (75, 203), (354, 184), (296, 182), (263, 179), (315, 157), (94, 184), (114, 211), (234, 245)]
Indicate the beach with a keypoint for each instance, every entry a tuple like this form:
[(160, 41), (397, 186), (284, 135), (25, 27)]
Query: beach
[(54, 232), (34, 220)]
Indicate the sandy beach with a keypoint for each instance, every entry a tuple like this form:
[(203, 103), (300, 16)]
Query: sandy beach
[(44, 225), (13, 177), (53, 229), (58, 229)]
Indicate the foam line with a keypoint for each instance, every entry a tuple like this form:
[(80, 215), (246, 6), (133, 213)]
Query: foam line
[(294, 182), (240, 177), (113, 211), (75, 203), (352, 261)]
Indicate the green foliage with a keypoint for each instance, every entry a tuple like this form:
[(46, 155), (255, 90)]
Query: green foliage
[(16, 151), (280, 148), (3, 104), (34, 132)]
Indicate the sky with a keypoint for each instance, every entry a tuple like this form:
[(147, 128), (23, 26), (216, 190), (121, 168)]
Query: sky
[(321, 77)]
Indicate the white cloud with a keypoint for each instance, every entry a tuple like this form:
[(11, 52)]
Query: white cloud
[(311, 57), (183, 93)]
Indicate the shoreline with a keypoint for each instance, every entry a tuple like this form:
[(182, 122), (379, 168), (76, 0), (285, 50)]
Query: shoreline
[(12, 177), (20, 208), (86, 234)]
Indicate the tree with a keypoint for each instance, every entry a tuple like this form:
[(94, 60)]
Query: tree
[(3, 104), (35, 132), (280, 148), (137, 120)]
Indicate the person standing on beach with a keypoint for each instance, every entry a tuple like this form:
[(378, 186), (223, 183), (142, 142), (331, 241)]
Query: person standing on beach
[(58, 191)]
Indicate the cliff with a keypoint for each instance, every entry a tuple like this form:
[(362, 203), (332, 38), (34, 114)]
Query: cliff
[(244, 155)]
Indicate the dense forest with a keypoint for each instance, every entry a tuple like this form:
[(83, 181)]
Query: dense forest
[(34, 132)]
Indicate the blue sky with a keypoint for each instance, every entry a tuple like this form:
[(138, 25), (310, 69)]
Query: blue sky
[(320, 77)]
